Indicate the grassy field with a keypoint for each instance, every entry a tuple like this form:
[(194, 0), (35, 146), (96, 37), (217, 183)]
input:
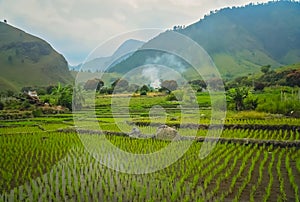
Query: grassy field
[(43, 158)]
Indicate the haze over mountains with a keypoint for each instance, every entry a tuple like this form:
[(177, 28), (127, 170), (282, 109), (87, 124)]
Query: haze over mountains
[(125, 50), (241, 40)]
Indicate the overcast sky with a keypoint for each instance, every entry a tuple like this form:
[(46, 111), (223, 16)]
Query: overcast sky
[(75, 28)]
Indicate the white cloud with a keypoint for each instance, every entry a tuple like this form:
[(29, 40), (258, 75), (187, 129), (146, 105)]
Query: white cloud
[(76, 27)]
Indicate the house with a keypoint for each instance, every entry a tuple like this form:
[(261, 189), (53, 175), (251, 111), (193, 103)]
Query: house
[(33, 94)]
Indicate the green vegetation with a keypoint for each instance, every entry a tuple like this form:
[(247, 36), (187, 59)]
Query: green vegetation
[(28, 60), (57, 166), (70, 173), (238, 39), (256, 158)]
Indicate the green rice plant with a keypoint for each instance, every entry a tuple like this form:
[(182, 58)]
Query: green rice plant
[(280, 178), (65, 171), (226, 173), (235, 177), (291, 177), (248, 178), (219, 169), (268, 188), (260, 178)]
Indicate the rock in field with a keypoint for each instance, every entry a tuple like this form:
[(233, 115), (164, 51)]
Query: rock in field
[(136, 133), (165, 132)]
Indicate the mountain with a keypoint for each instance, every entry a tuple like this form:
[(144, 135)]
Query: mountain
[(124, 51), (26, 60), (240, 39)]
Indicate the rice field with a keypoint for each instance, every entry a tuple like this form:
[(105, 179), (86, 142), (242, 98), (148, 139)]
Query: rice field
[(44, 159)]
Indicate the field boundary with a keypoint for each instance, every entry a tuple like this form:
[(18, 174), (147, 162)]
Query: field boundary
[(225, 126), (245, 141)]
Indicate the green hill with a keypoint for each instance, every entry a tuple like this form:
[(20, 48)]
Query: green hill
[(26, 60), (241, 40)]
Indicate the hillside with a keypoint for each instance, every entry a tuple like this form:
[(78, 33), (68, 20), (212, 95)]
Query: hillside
[(241, 40), (26, 60)]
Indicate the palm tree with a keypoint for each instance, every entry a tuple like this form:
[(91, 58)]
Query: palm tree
[(57, 91)]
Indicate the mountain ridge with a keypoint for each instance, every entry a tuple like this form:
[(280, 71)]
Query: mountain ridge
[(26, 60), (242, 39)]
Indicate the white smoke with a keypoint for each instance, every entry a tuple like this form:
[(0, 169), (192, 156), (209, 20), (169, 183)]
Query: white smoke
[(152, 74), (167, 60), (161, 68)]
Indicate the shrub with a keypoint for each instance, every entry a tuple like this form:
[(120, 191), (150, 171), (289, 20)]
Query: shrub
[(38, 112), (65, 100), (178, 94), (143, 92), (25, 105), (289, 107), (171, 97), (145, 88), (46, 99), (250, 103)]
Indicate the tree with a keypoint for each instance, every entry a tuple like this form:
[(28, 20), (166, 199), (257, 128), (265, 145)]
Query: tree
[(65, 98), (120, 85), (258, 86), (250, 102), (215, 83), (133, 88), (293, 79), (57, 91), (93, 84), (106, 90), (265, 69), (63, 95), (145, 88), (198, 85), (169, 85), (237, 96)]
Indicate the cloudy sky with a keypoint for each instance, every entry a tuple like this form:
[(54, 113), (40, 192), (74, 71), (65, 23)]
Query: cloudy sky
[(75, 28)]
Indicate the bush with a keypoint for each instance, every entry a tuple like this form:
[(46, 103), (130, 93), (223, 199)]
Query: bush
[(25, 105), (38, 112), (143, 92), (171, 97), (65, 100), (178, 94), (106, 90), (145, 88), (250, 103), (289, 107), (46, 99)]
